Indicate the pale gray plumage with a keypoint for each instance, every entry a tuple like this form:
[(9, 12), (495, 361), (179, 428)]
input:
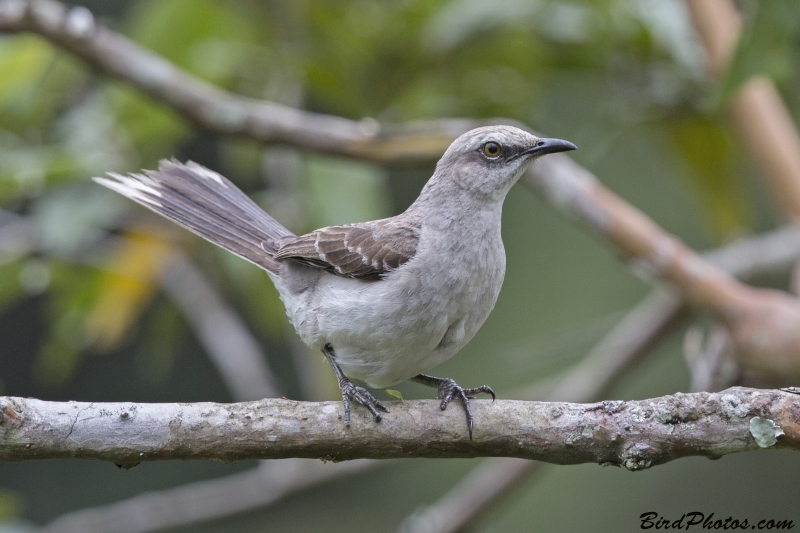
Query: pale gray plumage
[(385, 300)]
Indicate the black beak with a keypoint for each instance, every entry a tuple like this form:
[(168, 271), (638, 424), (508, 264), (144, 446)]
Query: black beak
[(549, 146)]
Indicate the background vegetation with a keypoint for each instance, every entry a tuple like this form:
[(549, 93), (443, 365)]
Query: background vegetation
[(83, 315)]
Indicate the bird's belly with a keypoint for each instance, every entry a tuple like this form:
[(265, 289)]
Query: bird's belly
[(385, 332), (380, 337)]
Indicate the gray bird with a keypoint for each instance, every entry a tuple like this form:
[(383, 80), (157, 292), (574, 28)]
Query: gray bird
[(386, 300)]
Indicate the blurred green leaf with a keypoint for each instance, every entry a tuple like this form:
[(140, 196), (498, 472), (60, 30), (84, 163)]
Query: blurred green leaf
[(35, 82), (151, 127), (74, 289), (708, 149), (10, 504), (395, 394), (128, 282), (162, 334), (207, 42), (768, 44), (69, 219), (60, 354), (10, 287), (98, 309), (24, 60), (256, 294), (342, 191)]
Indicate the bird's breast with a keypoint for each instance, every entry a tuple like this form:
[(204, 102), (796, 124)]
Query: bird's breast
[(416, 317), (463, 272)]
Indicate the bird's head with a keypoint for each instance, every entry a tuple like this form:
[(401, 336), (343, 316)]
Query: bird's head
[(487, 161)]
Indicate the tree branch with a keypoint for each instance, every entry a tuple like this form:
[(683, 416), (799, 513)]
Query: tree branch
[(765, 324), (209, 499), (215, 110), (634, 434)]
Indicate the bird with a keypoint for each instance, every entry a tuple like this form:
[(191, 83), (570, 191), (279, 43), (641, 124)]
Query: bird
[(387, 300)]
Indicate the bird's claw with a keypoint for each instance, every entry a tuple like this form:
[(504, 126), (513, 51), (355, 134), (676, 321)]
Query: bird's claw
[(352, 391), (449, 390), (361, 395)]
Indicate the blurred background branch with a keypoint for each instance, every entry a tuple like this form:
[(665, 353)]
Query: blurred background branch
[(197, 502), (219, 111)]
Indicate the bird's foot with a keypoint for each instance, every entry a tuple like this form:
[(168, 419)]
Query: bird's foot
[(361, 395), (450, 390), (351, 391)]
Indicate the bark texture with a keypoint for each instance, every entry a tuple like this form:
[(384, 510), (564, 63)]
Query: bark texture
[(634, 434)]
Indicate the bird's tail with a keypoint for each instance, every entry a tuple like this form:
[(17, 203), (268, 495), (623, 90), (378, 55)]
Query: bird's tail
[(207, 204)]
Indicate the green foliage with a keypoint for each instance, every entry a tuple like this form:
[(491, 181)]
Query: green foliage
[(10, 287), (768, 44), (37, 84), (395, 394), (73, 291), (148, 126), (707, 147), (10, 505), (23, 61), (163, 333), (257, 296), (342, 192), (208, 38)]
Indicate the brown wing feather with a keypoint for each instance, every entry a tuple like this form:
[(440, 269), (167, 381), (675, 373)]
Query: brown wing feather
[(364, 251)]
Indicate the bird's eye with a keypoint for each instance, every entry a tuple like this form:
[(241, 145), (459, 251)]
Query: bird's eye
[(491, 150)]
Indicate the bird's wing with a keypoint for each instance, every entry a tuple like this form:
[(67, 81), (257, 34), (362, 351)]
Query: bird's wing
[(364, 251)]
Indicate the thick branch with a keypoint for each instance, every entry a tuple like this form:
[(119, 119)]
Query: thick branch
[(635, 434)]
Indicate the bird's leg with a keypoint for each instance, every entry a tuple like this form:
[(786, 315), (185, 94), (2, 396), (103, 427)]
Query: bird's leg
[(351, 390), (449, 389)]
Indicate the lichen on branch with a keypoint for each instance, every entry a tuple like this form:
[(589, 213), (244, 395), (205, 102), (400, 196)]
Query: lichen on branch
[(633, 434)]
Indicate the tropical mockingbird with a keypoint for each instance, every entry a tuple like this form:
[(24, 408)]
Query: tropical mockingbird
[(384, 300)]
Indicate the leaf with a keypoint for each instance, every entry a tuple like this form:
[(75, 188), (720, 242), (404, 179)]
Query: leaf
[(10, 504), (23, 61), (150, 126), (767, 45), (36, 84), (212, 28), (342, 191), (126, 287), (705, 145), (163, 331), (10, 288), (395, 394)]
